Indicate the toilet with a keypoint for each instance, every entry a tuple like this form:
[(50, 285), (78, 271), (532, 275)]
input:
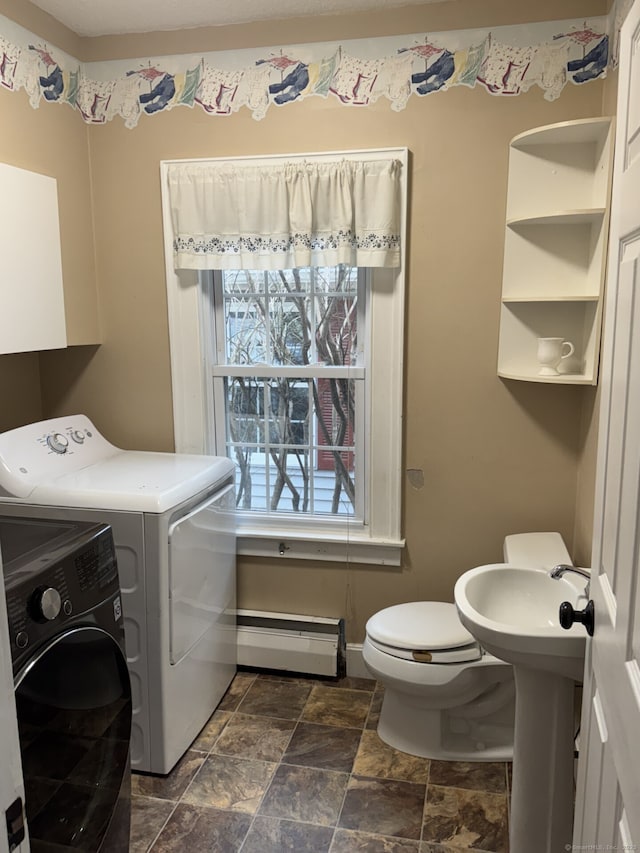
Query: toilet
[(445, 697)]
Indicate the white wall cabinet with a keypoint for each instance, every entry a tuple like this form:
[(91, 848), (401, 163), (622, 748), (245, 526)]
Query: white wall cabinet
[(32, 315), (555, 248)]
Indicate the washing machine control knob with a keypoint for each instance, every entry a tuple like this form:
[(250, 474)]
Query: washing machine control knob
[(57, 442), (46, 603)]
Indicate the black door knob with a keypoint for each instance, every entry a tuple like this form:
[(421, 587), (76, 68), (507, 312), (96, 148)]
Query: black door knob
[(568, 616)]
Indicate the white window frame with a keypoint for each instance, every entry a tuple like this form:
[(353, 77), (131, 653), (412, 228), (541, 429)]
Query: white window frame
[(379, 540)]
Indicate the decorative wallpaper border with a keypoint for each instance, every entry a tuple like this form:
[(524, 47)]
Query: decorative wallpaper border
[(502, 60)]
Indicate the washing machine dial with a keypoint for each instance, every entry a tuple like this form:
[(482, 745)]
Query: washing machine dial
[(46, 603), (57, 442), (77, 436)]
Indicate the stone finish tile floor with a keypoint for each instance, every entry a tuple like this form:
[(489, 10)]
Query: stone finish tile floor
[(295, 764)]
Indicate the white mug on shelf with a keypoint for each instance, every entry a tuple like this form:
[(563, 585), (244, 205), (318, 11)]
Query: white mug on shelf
[(551, 351)]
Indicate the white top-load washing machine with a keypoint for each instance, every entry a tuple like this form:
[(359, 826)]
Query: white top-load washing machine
[(172, 517)]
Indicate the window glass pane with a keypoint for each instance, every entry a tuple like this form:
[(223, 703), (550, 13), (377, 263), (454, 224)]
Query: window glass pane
[(296, 317), (289, 281), (243, 282), (293, 443), (246, 329), (244, 410), (288, 412), (289, 325), (339, 279), (333, 486), (335, 334)]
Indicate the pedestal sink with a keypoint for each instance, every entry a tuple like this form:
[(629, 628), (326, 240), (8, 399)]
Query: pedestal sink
[(513, 613)]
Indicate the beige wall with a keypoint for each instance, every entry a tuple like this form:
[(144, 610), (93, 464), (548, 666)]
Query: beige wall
[(52, 140), (497, 457), (430, 18)]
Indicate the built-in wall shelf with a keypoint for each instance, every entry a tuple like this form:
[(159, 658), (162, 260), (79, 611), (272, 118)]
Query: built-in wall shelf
[(577, 298), (555, 248)]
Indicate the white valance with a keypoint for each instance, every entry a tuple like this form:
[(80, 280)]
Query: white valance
[(296, 214)]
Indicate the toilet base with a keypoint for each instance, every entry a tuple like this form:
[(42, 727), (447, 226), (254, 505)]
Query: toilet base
[(443, 735)]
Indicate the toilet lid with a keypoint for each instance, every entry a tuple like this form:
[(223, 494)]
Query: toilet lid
[(428, 625)]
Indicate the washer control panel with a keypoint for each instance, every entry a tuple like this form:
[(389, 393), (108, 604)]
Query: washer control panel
[(38, 453), (57, 442), (67, 441)]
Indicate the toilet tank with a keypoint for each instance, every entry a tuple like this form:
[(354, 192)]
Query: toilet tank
[(538, 550)]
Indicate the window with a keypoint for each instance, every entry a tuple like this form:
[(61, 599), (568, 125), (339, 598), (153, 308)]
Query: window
[(288, 380), (296, 374)]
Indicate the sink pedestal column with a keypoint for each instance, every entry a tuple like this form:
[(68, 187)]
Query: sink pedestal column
[(542, 795)]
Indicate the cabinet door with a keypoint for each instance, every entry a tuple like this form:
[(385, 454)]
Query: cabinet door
[(31, 296)]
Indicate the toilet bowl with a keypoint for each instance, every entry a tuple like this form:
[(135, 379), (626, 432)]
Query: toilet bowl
[(445, 697)]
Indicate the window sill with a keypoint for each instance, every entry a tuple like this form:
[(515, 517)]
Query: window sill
[(333, 547)]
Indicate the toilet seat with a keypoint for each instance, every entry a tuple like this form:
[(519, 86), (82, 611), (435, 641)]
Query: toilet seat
[(424, 632)]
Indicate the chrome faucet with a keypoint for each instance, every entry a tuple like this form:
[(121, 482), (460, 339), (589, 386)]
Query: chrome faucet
[(558, 571)]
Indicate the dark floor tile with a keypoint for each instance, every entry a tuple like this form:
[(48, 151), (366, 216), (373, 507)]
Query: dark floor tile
[(226, 782), (466, 819), (199, 829), (170, 787), (211, 731), (374, 710), (378, 759), (272, 835), (335, 706), (383, 806), (353, 683), (236, 691), (281, 675), (429, 847), (148, 816), (305, 794), (475, 776), (348, 841), (282, 699), (325, 747), (262, 738)]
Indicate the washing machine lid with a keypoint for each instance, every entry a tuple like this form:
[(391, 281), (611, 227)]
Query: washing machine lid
[(67, 462), (136, 481), (421, 625)]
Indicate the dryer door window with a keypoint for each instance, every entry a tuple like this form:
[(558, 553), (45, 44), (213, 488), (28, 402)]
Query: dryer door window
[(74, 717)]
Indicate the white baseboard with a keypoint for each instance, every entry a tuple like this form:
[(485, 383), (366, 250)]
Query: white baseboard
[(356, 667)]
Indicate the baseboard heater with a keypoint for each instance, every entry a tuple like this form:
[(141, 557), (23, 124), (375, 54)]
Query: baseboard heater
[(313, 645)]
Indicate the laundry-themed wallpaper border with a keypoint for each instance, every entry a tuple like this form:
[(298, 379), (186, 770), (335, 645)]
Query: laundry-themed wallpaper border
[(503, 61)]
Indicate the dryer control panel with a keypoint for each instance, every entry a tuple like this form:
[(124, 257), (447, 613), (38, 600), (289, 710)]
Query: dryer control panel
[(56, 572)]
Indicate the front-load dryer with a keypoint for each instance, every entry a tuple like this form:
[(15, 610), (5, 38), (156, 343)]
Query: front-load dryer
[(72, 686), (173, 522)]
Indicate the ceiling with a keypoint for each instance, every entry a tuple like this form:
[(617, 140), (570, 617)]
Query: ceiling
[(114, 17)]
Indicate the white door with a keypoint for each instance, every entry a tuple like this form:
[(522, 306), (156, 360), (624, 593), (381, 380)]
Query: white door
[(608, 795)]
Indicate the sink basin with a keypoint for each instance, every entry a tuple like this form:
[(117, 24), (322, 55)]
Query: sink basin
[(513, 612)]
